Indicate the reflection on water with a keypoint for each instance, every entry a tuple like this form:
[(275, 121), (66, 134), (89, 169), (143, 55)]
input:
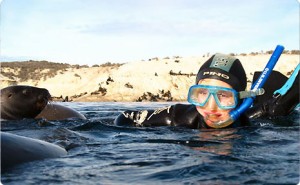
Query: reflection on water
[(225, 137)]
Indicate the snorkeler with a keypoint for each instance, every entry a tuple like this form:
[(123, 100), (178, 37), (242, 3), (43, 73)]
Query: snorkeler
[(220, 88)]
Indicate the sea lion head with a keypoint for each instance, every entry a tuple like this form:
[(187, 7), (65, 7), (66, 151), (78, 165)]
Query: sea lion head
[(18, 102)]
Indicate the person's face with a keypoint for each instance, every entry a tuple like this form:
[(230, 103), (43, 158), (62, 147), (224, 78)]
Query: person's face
[(211, 108)]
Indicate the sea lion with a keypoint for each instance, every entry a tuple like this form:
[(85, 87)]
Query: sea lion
[(54, 111), (18, 102), (19, 149)]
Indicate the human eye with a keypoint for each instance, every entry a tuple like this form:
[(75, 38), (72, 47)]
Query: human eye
[(224, 94), (202, 92)]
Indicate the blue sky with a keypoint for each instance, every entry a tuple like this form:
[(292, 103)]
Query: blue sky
[(98, 31)]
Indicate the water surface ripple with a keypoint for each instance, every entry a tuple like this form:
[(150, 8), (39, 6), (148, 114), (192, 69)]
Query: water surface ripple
[(101, 153)]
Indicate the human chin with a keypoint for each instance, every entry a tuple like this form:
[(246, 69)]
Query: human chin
[(212, 117)]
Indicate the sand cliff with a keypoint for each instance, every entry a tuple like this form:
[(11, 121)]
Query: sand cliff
[(165, 79)]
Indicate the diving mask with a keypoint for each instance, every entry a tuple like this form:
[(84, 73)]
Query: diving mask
[(226, 98)]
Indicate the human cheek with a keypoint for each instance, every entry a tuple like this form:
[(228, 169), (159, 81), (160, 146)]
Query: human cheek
[(225, 114)]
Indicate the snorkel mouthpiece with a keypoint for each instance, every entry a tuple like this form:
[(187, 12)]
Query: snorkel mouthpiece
[(255, 88)]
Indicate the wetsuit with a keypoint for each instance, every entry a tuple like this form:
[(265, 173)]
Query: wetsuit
[(273, 105), (186, 115)]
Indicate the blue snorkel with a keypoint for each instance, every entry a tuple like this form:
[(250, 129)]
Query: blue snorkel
[(236, 113)]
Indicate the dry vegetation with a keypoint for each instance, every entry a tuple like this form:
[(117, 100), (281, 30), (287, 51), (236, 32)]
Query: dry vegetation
[(37, 70)]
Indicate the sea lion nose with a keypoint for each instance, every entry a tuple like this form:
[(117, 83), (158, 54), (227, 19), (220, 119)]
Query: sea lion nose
[(45, 95)]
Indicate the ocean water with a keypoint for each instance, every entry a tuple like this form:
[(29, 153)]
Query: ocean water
[(101, 153)]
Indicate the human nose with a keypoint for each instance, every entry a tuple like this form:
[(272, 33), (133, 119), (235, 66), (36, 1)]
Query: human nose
[(212, 104)]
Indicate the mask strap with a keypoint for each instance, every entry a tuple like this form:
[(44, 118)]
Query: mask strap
[(251, 93)]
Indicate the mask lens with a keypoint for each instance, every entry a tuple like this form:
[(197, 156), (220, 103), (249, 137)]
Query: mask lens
[(224, 97), (202, 95), (198, 95)]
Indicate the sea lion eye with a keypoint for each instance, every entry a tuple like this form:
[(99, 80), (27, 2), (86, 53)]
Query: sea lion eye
[(9, 95)]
